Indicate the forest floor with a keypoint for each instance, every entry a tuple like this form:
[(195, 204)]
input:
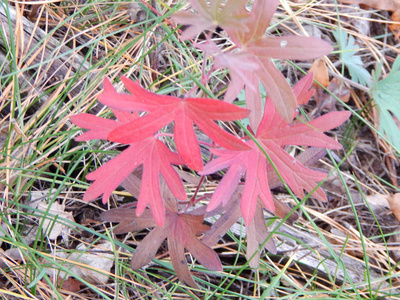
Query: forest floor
[(53, 58)]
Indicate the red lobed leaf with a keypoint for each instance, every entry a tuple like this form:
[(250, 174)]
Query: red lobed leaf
[(99, 127), (183, 112), (258, 50), (155, 157), (302, 90), (272, 135)]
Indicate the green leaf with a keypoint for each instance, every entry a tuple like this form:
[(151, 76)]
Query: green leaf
[(353, 62), (386, 95)]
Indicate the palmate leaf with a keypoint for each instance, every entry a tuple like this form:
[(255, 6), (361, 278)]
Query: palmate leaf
[(150, 152), (180, 230), (272, 135), (261, 49), (250, 63), (183, 112), (256, 233), (349, 58), (386, 95)]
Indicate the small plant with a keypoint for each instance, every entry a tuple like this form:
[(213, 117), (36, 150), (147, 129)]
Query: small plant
[(251, 158)]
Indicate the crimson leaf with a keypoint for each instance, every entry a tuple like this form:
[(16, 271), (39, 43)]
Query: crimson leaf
[(262, 49), (183, 112), (150, 152), (272, 135)]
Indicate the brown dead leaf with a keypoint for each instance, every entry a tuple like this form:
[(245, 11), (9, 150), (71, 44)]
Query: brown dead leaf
[(181, 231), (320, 72), (326, 100), (395, 28), (394, 202), (70, 284)]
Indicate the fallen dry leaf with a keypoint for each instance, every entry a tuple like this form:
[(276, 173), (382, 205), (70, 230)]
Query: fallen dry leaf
[(326, 100), (52, 226), (9, 256), (320, 72), (378, 200), (394, 202), (70, 284), (98, 260)]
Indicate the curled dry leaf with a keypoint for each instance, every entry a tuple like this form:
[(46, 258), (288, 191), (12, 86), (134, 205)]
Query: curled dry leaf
[(394, 202), (320, 72), (70, 284), (54, 227), (326, 100)]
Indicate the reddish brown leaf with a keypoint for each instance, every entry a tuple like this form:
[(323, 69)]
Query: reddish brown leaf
[(71, 284), (282, 210), (225, 222), (179, 229), (177, 254), (256, 232)]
